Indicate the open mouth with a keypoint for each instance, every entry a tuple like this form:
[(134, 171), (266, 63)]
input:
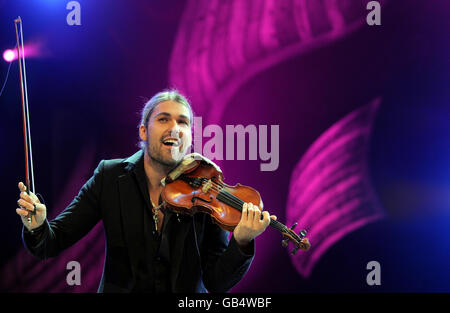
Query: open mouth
[(171, 142)]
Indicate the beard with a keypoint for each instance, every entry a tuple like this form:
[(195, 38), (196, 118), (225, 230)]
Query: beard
[(168, 160)]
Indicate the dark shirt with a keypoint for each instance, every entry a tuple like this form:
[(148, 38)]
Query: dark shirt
[(154, 274)]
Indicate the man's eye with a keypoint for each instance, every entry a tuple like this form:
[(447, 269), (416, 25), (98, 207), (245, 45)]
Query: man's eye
[(163, 119), (184, 122)]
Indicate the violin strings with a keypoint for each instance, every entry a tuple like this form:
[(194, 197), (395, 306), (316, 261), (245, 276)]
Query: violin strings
[(237, 204), (230, 197)]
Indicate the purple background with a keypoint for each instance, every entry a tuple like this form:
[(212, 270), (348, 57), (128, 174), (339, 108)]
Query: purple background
[(247, 62)]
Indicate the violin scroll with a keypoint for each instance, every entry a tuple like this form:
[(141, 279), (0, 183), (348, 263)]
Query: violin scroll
[(300, 241)]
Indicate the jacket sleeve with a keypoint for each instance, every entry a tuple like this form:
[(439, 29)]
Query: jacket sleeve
[(82, 214), (224, 262)]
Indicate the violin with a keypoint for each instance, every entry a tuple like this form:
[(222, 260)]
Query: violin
[(197, 185)]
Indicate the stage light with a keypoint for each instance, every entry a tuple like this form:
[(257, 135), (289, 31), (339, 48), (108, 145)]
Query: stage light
[(9, 55), (31, 50)]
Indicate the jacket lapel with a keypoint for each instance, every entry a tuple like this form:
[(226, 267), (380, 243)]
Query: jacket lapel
[(132, 209), (132, 213)]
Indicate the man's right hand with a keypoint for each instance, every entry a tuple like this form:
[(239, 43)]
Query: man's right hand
[(26, 203)]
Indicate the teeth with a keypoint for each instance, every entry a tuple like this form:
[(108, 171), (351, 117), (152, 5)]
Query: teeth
[(172, 141)]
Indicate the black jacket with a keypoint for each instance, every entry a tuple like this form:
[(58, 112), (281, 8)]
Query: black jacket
[(116, 194)]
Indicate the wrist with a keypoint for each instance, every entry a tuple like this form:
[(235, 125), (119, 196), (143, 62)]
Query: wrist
[(245, 247), (35, 229), (242, 242)]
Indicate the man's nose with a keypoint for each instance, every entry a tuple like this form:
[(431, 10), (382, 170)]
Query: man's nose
[(175, 129)]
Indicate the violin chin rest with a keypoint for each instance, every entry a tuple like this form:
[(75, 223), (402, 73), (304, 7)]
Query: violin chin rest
[(189, 163), (198, 157)]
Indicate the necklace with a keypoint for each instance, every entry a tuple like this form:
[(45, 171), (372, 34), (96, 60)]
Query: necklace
[(156, 213)]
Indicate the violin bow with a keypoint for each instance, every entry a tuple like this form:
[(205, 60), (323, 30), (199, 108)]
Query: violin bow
[(29, 176)]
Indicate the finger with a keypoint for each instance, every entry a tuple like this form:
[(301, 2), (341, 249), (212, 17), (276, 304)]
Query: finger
[(22, 187), (251, 212), (21, 212), (25, 205), (266, 218), (26, 197), (274, 217), (34, 204), (31, 198), (257, 216), (244, 215)]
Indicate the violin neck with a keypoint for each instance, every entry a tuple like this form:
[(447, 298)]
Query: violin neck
[(278, 226), (237, 203)]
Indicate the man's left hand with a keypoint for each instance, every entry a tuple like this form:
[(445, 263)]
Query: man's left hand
[(251, 224)]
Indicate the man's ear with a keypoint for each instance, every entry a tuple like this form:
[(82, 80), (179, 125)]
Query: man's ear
[(143, 133)]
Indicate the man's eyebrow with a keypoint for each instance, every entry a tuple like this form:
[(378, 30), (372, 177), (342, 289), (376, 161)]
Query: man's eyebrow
[(168, 115), (162, 113)]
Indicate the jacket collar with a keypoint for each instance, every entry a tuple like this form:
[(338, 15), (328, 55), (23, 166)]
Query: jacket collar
[(132, 161)]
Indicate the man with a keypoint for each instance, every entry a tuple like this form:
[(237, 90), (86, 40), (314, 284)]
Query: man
[(149, 249)]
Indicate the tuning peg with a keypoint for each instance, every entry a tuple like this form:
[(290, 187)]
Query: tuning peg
[(293, 226), (302, 233), (284, 243)]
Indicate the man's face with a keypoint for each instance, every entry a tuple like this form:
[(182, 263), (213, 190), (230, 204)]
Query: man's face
[(168, 134)]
